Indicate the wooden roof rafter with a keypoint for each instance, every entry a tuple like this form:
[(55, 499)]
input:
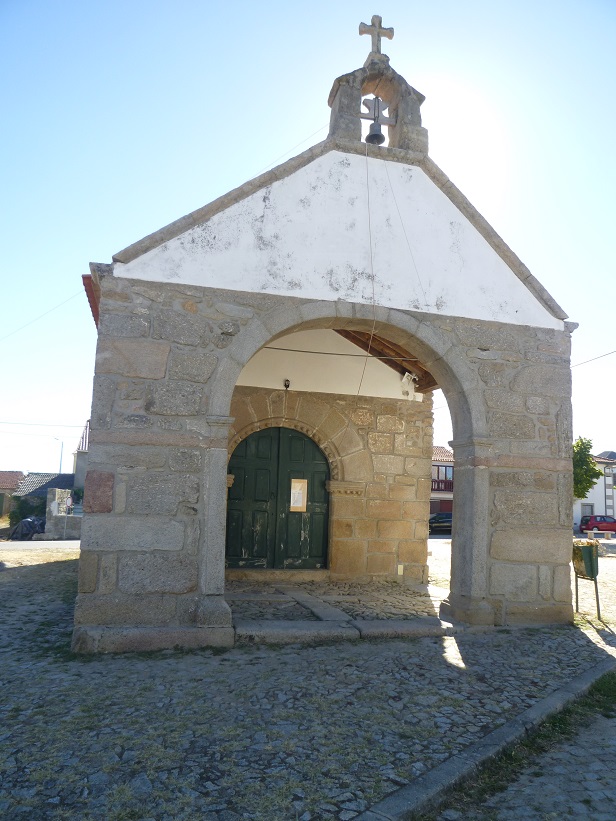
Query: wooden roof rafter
[(392, 355)]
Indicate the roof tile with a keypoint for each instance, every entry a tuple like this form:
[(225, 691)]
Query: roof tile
[(37, 484)]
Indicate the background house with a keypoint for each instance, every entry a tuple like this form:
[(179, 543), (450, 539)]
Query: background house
[(53, 491), (80, 458), (9, 480), (441, 494), (600, 500), (35, 485)]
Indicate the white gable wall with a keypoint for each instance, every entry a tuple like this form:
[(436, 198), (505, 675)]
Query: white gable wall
[(310, 235)]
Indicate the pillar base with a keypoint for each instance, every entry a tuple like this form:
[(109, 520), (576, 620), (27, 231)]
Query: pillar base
[(466, 609), (213, 611), (147, 639), (522, 613)]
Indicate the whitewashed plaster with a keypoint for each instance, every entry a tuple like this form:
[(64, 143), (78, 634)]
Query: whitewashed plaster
[(602, 495), (327, 363), (312, 235)]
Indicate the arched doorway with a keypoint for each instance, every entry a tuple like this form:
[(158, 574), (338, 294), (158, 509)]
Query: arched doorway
[(277, 510)]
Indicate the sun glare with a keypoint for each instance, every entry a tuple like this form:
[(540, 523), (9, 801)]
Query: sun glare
[(470, 138), (451, 653)]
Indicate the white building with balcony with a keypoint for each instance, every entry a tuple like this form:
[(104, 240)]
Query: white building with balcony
[(441, 496), (600, 500)]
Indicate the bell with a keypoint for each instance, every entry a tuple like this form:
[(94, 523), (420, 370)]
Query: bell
[(375, 136)]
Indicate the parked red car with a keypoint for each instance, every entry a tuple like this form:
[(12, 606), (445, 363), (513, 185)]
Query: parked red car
[(597, 523)]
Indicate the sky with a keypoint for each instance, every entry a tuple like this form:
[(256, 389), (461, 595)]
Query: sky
[(120, 117)]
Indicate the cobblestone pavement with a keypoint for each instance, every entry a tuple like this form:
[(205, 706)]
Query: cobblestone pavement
[(575, 780), (378, 602), (268, 733)]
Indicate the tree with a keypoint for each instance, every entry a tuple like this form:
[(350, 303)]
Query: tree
[(25, 507), (585, 471)]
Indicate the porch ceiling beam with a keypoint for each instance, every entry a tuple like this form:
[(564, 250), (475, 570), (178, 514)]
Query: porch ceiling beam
[(393, 355)]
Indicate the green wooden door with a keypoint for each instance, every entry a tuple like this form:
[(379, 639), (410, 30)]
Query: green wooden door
[(262, 531)]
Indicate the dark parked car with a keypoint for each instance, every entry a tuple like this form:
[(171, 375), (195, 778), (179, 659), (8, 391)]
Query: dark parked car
[(597, 523), (440, 523)]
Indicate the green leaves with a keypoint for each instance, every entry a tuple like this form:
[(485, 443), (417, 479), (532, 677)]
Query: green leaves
[(585, 471)]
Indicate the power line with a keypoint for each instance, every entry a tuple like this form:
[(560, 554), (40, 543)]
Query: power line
[(41, 424), (36, 319), (38, 435), (594, 359), (290, 149), (333, 353)]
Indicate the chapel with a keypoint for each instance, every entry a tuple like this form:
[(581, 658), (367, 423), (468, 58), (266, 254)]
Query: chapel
[(262, 397)]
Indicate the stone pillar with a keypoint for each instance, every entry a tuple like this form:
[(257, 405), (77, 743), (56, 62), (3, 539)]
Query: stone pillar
[(468, 596), (213, 612), (345, 101), (348, 549), (408, 132)]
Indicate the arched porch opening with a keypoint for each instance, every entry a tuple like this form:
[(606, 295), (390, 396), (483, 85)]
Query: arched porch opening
[(367, 527)]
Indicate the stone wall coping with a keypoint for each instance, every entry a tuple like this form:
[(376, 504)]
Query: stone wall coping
[(340, 488), (428, 166)]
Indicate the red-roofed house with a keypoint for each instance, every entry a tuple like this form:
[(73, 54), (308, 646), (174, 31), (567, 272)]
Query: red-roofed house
[(441, 496), (9, 480)]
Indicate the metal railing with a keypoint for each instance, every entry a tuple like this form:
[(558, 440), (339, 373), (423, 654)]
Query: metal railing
[(445, 485)]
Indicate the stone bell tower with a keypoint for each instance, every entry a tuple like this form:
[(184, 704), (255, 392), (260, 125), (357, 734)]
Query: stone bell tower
[(391, 92)]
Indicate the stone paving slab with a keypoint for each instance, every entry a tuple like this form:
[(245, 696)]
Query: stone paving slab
[(290, 632), (405, 628), (269, 733), (383, 602)]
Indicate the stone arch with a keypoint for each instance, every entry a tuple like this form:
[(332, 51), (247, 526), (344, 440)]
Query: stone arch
[(326, 445), (432, 339), (420, 333)]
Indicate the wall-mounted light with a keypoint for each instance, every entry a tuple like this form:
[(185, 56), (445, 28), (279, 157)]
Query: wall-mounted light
[(287, 384)]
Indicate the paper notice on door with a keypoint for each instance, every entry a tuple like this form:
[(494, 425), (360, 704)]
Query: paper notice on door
[(299, 495)]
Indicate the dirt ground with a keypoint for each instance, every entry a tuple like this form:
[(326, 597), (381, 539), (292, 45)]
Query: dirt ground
[(24, 554)]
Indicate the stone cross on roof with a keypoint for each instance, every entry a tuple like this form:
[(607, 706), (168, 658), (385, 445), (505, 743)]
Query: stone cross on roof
[(376, 31)]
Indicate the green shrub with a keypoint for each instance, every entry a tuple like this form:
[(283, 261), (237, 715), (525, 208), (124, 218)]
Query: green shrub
[(25, 507)]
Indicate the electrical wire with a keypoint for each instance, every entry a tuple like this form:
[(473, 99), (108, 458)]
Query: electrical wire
[(594, 359), (333, 353), (363, 373), (36, 319), (290, 149), (408, 244), (38, 435), (27, 325), (41, 424)]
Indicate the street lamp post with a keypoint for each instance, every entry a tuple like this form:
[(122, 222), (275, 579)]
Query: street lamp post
[(61, 441)]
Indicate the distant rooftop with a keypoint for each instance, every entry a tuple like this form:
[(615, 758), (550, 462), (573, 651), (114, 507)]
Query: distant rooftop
[(9, 479), (37, 484), (609, 455), (84, 442), (441, 454)]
